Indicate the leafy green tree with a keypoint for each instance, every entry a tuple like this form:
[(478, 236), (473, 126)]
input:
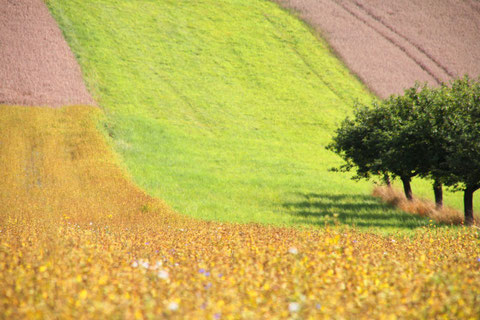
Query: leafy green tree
[(420, 129), (459, 109), (372, 143), (396, 137), (402, 144), (441, 135), (360, 142), (433, 133)]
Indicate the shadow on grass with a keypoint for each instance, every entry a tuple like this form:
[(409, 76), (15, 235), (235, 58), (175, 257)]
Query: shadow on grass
[(352, 210)]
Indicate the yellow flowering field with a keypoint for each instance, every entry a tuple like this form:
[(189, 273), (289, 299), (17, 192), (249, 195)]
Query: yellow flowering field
[(79, 241)]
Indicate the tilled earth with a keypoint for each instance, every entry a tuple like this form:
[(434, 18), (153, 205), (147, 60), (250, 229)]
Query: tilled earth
[(390, 44), (36, 64)]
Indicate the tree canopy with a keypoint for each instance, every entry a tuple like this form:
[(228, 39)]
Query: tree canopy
[(430, 132)]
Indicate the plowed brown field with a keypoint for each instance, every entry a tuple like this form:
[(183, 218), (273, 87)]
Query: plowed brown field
[(390, 44), (36, 64)]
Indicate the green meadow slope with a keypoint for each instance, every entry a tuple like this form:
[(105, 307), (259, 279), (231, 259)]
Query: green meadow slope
[(223, 108)]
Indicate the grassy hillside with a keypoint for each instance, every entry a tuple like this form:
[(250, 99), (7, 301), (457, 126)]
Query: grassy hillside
[(223, 108), (78, 240)]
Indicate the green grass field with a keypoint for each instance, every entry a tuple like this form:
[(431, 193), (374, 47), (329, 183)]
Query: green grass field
[(223, 109)]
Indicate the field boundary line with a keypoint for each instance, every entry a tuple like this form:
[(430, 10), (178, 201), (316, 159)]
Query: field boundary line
[(310, 67)]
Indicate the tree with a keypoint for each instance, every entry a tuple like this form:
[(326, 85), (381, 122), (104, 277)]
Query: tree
[(402, 147), (459, 109), (372, 142), (360, 142), (433, 133), (426, 141), (396, 137)]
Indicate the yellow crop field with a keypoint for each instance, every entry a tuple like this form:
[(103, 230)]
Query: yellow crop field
[(78, 240)]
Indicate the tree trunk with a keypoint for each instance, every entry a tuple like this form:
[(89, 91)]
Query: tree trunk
[(386, 179), (438, 191), (468, 204), (407, 188)]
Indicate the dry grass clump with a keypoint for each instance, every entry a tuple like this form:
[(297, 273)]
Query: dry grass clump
[(79, 241), (421, 207)]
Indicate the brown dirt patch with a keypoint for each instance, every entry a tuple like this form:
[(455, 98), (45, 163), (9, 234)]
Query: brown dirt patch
[(36, 64), (390, 44)]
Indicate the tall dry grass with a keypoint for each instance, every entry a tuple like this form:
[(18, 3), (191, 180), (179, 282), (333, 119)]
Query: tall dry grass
[(422, 207)]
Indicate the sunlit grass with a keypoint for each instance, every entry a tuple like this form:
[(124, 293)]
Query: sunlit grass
[(223, 109), (78, 240)]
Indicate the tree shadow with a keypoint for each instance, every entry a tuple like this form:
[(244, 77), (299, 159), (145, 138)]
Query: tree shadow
[(348, 209)]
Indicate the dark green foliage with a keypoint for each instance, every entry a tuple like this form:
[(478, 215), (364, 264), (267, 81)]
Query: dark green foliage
[(460, 107), (361, 141), (377, 141), (461, 129), (419, 145), (433, 133)]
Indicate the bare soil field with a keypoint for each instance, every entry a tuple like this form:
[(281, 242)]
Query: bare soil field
[(390, 44), (36, 64)]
